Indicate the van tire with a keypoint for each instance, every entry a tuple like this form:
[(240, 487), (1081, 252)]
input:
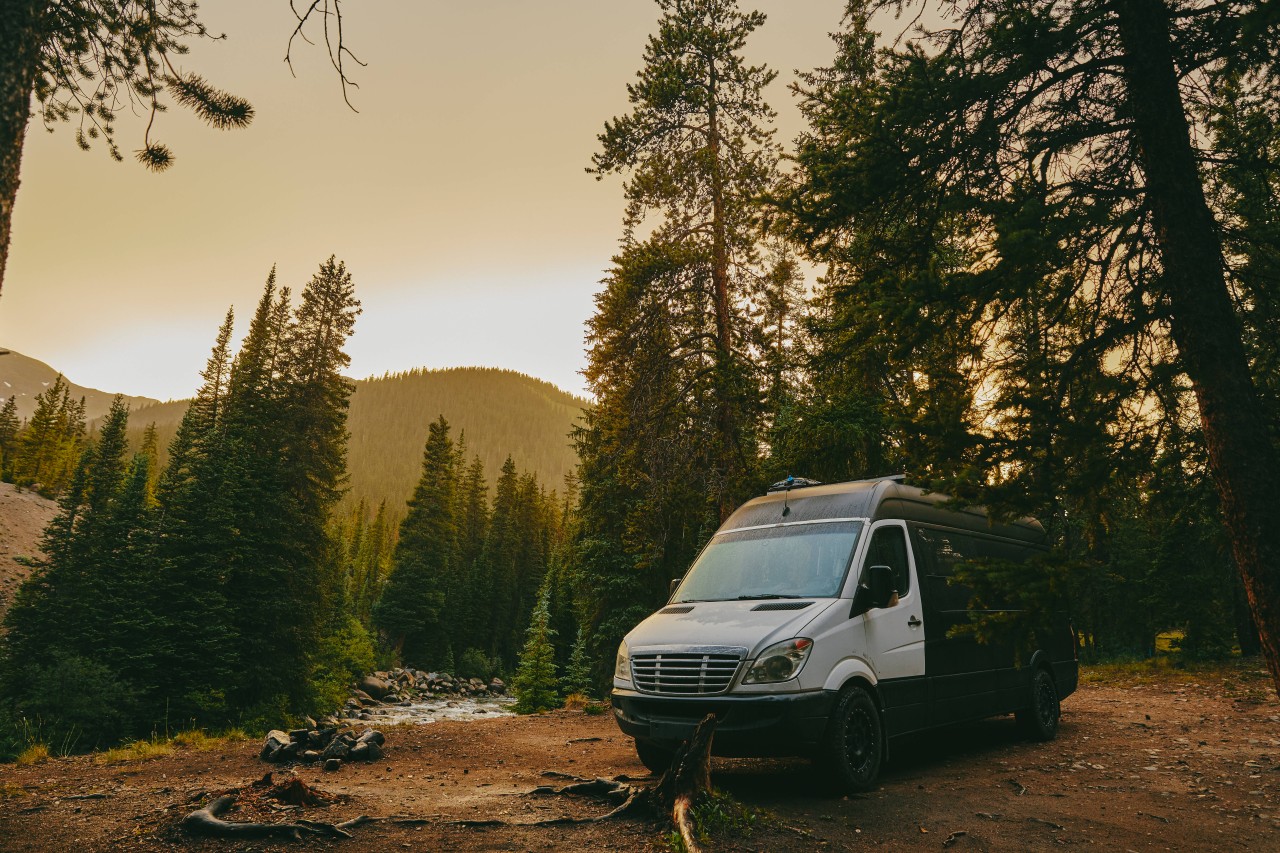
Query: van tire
[(853, 746), (1039, 720), (654, 757)]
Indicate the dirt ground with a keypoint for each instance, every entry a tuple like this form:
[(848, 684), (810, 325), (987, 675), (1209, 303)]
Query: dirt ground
[(23, 517), (1185, 762)]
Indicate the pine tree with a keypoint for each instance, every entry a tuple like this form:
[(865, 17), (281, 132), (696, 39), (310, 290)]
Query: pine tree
[(697, 148), (9, 425), (1039, 133), (411, 611), (49, 447), (535, 685)]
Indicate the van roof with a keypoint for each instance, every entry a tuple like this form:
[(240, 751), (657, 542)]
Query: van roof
[(875, 499)]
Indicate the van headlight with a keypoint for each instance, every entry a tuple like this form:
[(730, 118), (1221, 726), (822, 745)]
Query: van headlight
[(622, 668), (779, 662)]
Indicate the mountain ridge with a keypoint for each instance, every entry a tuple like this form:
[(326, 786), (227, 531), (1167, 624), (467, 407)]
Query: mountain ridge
[(498, 411), (26, 377)]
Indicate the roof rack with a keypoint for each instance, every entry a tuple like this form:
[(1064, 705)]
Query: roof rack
[(897, 478)]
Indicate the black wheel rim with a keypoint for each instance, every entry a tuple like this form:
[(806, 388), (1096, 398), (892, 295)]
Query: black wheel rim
[(1046, 703), (859, 740)]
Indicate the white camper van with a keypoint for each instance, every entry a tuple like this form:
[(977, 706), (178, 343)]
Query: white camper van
[(815, 622)]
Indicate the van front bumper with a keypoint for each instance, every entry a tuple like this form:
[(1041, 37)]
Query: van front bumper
[(759, 725)]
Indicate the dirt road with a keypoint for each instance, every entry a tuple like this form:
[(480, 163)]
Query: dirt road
[(1189, 764)]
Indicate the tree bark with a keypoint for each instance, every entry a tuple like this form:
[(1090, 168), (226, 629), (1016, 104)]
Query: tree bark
[(1203, 322), (21, 36), (727, 404)]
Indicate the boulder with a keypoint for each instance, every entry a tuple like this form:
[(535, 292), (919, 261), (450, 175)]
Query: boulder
[(371, 736), (497, 686), (375, 685), (338, 749), (275, 741), (332, 764)]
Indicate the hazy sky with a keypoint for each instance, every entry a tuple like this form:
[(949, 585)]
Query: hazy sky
[(457, 195)]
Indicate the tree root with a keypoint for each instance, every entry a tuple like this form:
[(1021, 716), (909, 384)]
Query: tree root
[(206, 821)]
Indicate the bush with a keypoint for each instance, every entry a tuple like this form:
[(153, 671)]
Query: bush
[(476, 664), (74, 704), (342, 656)]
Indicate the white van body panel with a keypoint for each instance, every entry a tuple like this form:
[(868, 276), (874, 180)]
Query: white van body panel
[(724, 623), (848, 669)]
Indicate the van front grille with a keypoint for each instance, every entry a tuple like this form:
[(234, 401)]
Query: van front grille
[(683, 673)]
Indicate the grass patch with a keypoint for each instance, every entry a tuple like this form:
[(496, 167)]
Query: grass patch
[(37, 753), (139, 750), (1243, 676), (198, 739), (719, 817)]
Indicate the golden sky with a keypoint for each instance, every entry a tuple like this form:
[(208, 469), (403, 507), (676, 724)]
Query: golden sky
[(457, 194)]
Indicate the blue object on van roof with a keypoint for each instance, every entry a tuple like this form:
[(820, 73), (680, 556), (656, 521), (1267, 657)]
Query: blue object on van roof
[(792, 483)]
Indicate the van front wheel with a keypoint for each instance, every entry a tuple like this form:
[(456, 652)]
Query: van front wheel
[(1040, 720), (854, 742), (653, 757)]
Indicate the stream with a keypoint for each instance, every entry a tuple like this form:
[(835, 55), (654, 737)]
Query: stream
[(445, 708)]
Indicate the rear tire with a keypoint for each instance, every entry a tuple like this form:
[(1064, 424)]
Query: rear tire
[(853, 746), (1039, 721), (654, 757)]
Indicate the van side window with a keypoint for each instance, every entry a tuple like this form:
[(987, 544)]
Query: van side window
[(889, 548)]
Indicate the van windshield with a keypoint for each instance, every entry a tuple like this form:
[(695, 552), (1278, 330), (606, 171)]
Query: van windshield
[(790, 561)]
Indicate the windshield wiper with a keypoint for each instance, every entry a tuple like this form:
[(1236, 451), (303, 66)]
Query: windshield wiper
[(764, 596)]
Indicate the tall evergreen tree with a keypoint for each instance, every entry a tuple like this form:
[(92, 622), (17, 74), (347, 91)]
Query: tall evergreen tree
[(1071, 127), (672, 443), (698, 152), (412, 609), (9, 425)]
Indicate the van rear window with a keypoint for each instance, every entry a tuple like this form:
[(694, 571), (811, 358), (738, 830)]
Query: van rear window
[(790, 561)]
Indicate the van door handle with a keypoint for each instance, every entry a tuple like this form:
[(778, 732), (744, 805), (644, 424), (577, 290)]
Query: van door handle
[(913, 621)]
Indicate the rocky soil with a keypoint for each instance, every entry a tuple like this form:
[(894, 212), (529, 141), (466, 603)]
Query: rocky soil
[(1184, 762), (23, 517)]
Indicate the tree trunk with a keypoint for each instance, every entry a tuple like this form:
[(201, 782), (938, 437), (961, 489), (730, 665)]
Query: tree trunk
[(1203, 321), (21, 35), (726, 391)]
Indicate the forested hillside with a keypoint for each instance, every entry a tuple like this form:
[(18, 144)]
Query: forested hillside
[(495, 413)]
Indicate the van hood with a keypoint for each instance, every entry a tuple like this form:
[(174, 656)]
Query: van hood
[(740, 624)]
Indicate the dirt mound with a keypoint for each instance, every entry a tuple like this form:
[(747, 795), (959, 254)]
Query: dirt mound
[(23, 517)]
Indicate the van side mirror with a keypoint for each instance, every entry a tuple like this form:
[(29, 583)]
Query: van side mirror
[(880, 581), (671, 590), (875, 589)]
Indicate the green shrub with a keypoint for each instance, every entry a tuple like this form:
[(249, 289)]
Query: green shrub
[(476, 664), (75, 704), (342, 656)]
